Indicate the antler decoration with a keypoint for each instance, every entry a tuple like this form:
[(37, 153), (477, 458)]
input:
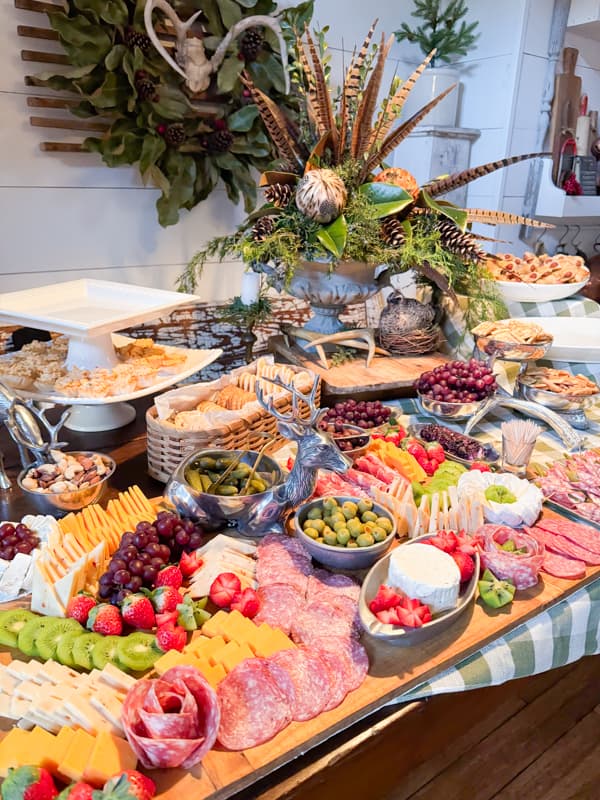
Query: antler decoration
[(190, 59), (268, 403)]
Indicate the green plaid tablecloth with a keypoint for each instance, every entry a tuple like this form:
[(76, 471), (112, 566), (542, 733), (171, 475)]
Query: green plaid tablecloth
[(567, 631)]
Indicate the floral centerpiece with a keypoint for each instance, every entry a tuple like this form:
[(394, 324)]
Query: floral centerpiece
[(331, 201)]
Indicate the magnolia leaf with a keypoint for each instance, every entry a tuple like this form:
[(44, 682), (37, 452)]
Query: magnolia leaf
[(114, 91), (115, 57), (276, 72), (229, 74), (268, 210), (152, 150), (119, 150), (270, 177), (249, 148), (181, 170), (230, 12), (333, 236), (157, 177), (381, 210), (457, 215), (85, 42), (210, 10), (379, 192), (83, 110), (112, 11), (172, 103), (226, 161), (242, 120)]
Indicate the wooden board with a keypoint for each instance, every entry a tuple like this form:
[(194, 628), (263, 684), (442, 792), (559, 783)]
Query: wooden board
[(387, 376), (565, 107)]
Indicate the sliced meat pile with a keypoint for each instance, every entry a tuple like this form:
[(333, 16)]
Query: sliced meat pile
[(575, 483), (569, 547), (171, 721), (522, 569)]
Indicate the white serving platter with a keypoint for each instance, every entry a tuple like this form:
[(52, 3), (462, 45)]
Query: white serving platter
[(88, 308), (517, 292), (576, 339)]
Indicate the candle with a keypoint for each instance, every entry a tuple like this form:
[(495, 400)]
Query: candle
[(250, 287)]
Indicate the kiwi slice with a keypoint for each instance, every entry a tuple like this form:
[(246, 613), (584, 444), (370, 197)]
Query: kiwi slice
[(64, 648), (11, 623), (106, 651), (82, 649), (138, 651), (30, 631), (49, 637)]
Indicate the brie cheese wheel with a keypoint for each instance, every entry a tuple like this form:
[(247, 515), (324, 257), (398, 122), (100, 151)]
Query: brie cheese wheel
[(426, 573)]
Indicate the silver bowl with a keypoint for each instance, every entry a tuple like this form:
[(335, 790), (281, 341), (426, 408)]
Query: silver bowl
[(353, 432), (410, 636), (343, 557), (511, 351), (451, 411), (49, 502), (247, 513), (563, 403)]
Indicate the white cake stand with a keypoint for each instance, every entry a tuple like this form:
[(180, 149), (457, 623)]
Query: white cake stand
[(88, 311)]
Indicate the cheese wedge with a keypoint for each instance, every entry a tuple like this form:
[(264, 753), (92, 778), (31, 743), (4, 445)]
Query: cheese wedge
[(110, 756)]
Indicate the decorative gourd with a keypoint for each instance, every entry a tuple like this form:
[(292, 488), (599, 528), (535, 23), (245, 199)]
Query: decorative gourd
[(321, 195), (399, 177)]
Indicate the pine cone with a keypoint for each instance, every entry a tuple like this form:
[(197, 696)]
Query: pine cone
[(392, 232), (458, 242), (145, 86), (218, 141), (262, 228), (175, 135), (251, 44), (133, 38), (279, 194)]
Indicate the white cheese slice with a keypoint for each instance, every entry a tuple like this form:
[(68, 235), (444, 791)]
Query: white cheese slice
[(18, 707), (113, 676), (7, 682), (23, 670), (27, 690), (54, 672), (110, 708), (5, 705), (11, 581), (42, 524), (3, 566), (423, 572)]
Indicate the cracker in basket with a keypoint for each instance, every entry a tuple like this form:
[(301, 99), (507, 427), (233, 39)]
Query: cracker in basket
[(233, 398), (247, 382), (191, 420), (513, 331), (208, 405)]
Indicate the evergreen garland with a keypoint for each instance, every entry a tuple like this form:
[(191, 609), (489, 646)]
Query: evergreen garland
[(440, 29)]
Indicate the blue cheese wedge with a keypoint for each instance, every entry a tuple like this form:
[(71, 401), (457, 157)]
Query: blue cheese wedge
[(423, 572)]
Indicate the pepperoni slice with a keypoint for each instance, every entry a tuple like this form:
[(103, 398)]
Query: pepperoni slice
[(279, 604), (310, 677)]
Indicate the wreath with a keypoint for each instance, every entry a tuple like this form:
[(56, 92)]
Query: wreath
[(181, 145)]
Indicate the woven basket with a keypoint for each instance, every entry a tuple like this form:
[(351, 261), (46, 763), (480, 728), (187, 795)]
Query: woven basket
[(413, 343), (168, 446)]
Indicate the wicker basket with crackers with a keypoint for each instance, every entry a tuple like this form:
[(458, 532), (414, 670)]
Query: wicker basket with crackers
[(222, 414)]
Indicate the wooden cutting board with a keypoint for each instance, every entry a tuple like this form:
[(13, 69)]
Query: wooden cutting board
[(565, 106)]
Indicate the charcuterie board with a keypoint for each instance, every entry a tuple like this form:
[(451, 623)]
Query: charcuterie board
[(392, 672)]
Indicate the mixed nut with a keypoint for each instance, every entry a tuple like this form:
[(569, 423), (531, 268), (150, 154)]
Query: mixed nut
[(69, 473)]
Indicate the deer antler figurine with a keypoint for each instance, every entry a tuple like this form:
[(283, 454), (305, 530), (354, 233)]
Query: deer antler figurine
[(191, 61)]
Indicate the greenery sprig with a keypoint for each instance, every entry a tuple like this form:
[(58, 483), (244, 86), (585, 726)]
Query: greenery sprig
[(440, 29)]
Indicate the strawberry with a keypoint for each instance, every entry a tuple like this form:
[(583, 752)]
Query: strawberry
[(171, 637), (444, 540), (466, 544), (136, 785), (429, 465), (77, 791), (481, 466), (389, 616), (169, 617), (414, 447), (165, 599), (246, 602), (435, 451), (169, 576), (190, 563), (105, 619), (137, 611), (80, 606), (385, 598), (28, 783), (224, 588), (409, 618), (465, 564)]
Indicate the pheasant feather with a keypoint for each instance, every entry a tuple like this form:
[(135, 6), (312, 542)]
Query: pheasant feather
[(444, 185), (276, 126), (502, 218), (362, 131), (351, 90), (323, 106), (437, 277), (310, 95)]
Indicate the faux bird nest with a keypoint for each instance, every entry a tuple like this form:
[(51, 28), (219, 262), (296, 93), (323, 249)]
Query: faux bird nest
[(411, 343), (408, 327)]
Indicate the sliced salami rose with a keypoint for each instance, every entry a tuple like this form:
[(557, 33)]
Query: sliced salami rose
[(309, 674), (253, 708), (522, 569), (352, 652), (279, 605), (561, 567), (583, 535), (183, 730)]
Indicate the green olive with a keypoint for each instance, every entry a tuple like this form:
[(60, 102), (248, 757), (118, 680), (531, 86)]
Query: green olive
[(317, 524), (343, 536), (365, 540), (338, 518), (379, 534), (369, 527), (314, 534), (354, 527), (315, 513), (339, 526), (330, 503), (368, 516), (327, 531), (352, 544), (364, 505), (385, 523), (330, 538), (349, 509)]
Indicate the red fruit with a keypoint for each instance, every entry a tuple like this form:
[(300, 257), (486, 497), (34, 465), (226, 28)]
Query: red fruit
[(224, 588), (165, 599), (246, 602), (105, 619), (414, 447), (465, 543), (137, 785), (435, 451), (168, 618), (28, 783), (137, 611), (171, 637), (465, 564), (409, 618), (389, 616), (480, 466), (385, 598), (169, 576), (444, 540), (77, 791), (189, 563), (80, 606), (429, 465)]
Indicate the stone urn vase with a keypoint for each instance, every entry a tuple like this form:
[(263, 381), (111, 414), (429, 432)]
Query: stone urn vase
[(329, 288)]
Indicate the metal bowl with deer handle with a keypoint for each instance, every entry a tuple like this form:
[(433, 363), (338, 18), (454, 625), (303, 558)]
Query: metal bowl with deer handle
[(250, 515)]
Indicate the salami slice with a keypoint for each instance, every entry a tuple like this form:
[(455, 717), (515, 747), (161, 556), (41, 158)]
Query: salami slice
[(353, 654), (185, 728), (520, 568), (583, 535), (561, 567), (310, 676), (253, 707), (322, 581), (288, 543), (563, 547), (279, 605), (320, 619), (335, 665)]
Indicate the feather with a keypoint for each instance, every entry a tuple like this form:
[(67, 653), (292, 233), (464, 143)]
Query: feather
[(438, 278), (350, 91), (361, 132), (323, 105), (311, 98), (393, 140), (394, 106), (444, 185), (275, 124), (502, 218), (489, 238)]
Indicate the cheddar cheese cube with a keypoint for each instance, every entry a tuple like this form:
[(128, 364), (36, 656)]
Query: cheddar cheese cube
[(110, 755), (14, 750), (269, 640), (213, 674), (205, 647), (217, 625), (78, 752)]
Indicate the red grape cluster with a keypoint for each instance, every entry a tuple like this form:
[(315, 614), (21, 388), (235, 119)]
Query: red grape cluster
[(16, 539), (144, 552), (365, 414), (457, 382)]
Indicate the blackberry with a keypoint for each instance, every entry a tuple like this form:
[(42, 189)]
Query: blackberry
[(145, 86), (218, 141), (251, 44), (175, 134), (133, 38)]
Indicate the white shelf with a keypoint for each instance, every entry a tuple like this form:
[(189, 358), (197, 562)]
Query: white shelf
[(553, 203), (584, 18)]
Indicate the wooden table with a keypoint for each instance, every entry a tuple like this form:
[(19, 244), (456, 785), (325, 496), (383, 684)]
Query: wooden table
[(393, 670)]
